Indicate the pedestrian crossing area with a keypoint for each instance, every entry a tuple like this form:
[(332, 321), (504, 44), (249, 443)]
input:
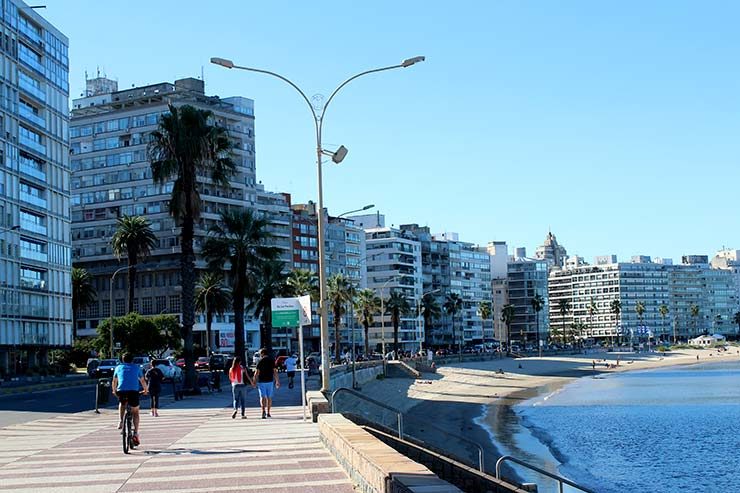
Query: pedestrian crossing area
[(182, 450)]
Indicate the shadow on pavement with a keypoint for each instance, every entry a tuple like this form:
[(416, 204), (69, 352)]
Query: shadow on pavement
[(184, 451)]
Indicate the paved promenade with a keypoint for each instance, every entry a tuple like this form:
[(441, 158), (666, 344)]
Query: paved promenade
[(193, 446)]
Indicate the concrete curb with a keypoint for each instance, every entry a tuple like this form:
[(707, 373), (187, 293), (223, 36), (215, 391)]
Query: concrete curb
[(46, 386)]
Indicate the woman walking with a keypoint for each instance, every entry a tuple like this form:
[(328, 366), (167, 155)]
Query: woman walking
[(154, 378), (237, 376)]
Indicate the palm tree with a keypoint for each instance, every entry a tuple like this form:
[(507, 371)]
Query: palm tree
[(83, 294), (592, 310), (695, 315), (240, 238), (736, 320), (430, 311), (303, 282), (397, 305), (663, 310), (640, 310), (537, 305), (270, 281), (453, 305), (507, 316), (212, 297), (186, 146), (340, 292), (484, 310), (564, 309), (134, 238), (367, 304), (616, 308)]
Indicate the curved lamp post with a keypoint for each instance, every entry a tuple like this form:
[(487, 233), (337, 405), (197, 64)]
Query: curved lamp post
[(337, 157)]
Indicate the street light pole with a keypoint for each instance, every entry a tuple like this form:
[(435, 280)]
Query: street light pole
[(318, 119), (113, 277)]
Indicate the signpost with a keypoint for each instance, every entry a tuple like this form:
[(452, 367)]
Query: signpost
[(294, 313)]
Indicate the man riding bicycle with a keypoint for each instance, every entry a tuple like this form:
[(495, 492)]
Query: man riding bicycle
[(127, 377)]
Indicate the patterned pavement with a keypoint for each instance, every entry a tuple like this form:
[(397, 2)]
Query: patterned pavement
[(193, 446)]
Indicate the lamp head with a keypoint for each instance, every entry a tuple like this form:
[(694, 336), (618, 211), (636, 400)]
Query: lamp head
[(369, 206), (410, 61), (223, 62), (339, 156), (16, 227)]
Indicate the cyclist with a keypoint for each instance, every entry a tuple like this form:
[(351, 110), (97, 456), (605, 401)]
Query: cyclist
[(126, 380)]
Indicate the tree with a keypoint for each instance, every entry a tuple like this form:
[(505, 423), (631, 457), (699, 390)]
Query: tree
[(83, 294), (135, 239), (453, 305), (564, 309), (171, 330), (616, 308), (270, 282), (430, 311), (139, 335), (485, 311), (186, 146), (212, 297), (240, 238), (640, 310), (303, 282), (592, 310), (736, 320), (537, 305), (663, 310), (695, 316), (397, 305), (367, 304), (507, 316), (339, 293)]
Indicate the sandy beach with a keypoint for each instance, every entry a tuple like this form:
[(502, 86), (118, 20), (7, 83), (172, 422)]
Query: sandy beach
[(456, 397)]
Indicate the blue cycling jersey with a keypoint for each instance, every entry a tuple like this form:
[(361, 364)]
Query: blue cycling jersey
[(128, 375)]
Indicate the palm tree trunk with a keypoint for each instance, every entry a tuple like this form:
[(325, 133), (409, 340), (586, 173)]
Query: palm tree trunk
[(395, 336), (187, 273), (367, 340), (131, 282), (337, 324), (209, 320), (238, 304)]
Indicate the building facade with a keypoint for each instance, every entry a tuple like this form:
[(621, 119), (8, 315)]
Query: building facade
[(35, 244), (527, 278), (112, 177), (551, 252)]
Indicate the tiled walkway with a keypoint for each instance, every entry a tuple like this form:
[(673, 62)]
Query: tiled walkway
[(194, 446)]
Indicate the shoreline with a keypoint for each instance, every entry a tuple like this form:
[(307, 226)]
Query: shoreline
[(475, 401)]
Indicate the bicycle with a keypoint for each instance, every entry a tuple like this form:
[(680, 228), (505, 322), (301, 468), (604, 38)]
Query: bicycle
[(127, 432)]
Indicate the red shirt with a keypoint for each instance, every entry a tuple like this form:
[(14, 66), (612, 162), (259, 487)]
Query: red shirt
[(236, 375)]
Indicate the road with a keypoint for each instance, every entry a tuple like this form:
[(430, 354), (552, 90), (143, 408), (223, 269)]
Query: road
[(22, 408)]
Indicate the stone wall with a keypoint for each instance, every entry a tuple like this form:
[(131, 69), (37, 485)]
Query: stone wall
[(341, 375)]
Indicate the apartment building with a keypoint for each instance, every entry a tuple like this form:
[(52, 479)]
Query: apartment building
[(35, 243), (525, 279)]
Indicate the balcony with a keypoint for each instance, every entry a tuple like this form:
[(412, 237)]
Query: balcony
[(31, 169), (33, 227), (35, 311), (31, 116), (32, 144), (33, 199), (30, 33), (31, 61), (34, 91), (31, 283), (34, 255)]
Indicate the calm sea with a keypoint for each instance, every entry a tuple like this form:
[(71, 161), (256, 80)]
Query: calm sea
[(668, 430)]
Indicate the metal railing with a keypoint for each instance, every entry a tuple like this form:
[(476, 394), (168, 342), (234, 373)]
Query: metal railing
[(561, 480), (400, 421)]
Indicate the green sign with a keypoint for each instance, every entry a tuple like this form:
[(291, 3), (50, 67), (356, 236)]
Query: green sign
[(285, 318)]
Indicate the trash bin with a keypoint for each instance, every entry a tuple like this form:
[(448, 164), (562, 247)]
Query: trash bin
[(102, 393)]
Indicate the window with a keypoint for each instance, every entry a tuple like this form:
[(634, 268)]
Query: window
[(146, 306), (161, 304), (120, 308), (174, 304)]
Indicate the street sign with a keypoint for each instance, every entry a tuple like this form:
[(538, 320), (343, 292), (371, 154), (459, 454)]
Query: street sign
[(285, 312)]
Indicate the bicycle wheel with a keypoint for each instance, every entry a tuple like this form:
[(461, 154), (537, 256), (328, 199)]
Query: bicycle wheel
[(126, 431)]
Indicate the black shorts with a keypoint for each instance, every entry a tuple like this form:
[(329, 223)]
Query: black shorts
[(291, 374), (130, 396)]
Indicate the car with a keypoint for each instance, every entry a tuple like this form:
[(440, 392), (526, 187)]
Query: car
[(202, 363), (217, 362), (180, 363), (142, 361), (171, 372), (106, 367), (92, 367)]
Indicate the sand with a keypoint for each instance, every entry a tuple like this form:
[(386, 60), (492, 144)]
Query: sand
[(441, 406)]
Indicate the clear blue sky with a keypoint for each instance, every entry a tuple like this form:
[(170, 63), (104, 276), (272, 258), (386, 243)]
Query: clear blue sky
[(615, 124)]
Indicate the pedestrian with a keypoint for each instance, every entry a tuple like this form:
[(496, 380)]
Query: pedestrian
[(593, 364), (290, 366), (266, 380), (154, 378), (237, 377)]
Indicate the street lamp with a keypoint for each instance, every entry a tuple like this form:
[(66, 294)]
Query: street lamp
[(113, 277), (17, 227), (369, 206), (418, 315), (318, 119)]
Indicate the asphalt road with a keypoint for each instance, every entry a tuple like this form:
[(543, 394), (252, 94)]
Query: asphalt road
[(21, 408)]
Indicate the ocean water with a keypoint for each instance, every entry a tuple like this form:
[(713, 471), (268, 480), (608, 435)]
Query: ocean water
[(667, 430)]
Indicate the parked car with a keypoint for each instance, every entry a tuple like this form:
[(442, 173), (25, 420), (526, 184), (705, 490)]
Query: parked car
[(92, 367), (171, 372), (202, 363), (106, 367), (217, 362), (142, 361), (180, 363)]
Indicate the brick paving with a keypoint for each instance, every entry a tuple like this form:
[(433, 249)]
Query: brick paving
[(193, 446)]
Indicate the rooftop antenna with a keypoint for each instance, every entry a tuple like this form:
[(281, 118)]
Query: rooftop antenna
[(202, 75)]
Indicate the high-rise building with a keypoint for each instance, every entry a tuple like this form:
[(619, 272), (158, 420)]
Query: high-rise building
[(551, 252), (35, 244), (525, 279), (499, 256), (112, 177)]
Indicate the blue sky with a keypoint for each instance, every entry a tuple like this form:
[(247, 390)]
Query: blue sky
[(615, 124)]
